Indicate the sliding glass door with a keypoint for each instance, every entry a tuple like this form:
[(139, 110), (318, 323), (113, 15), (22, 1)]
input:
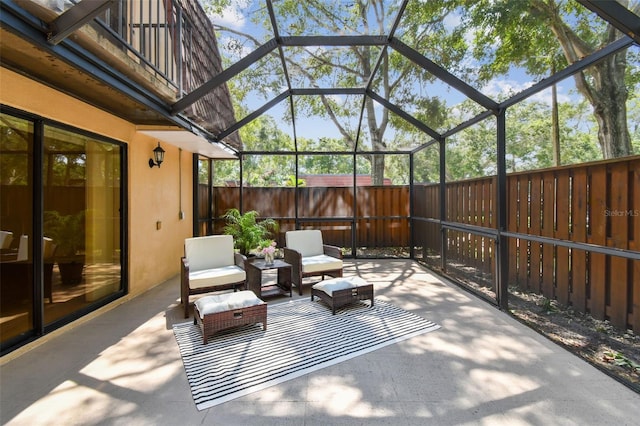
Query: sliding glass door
[(70, 182), (16, 225)]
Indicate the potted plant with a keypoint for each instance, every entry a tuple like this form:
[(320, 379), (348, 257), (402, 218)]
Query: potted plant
[(247, 232), (68, 234)]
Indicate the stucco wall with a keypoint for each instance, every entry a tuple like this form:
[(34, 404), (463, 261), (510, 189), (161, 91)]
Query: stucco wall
[(155, 194)]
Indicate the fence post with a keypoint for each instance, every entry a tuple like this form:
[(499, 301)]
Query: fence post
[(443, 204), (502, 249)]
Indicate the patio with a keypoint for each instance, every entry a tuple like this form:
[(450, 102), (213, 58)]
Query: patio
[(481, 367)]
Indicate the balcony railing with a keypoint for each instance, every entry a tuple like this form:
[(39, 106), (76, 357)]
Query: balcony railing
[(158, 34)]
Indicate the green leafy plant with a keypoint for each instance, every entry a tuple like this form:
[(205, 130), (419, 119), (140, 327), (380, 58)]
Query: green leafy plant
[(248, 233), (547, 305), (67, 232), (620, 360)]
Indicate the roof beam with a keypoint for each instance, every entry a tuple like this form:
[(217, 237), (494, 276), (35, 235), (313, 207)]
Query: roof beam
[(444, 75), (356, 40), (255, 114), (411, 119), (75, 17), (574, 68), (478, 118), (396, 22), (224, 76), (617, 15), (328, 91), (276, 34)]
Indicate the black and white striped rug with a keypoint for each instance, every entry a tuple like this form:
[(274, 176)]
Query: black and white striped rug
[(301, 337)]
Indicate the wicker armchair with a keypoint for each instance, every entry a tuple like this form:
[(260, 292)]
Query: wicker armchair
[(309, 256), (210, 264)]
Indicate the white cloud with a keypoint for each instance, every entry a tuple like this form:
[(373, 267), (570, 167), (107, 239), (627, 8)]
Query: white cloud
[(501, 89), (232, 16), (504, 88)]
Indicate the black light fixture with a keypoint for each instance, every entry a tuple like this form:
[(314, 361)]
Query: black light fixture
[(158, 156)]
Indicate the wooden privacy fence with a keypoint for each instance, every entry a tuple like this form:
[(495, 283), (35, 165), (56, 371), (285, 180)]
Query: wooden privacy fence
[(595, 203), (380, 214), (17, 218)]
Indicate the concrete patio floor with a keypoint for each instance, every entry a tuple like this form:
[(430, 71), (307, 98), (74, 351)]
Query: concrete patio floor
[(481, 367)]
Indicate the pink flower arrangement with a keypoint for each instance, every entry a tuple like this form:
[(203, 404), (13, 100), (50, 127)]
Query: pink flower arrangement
[(269, 249)]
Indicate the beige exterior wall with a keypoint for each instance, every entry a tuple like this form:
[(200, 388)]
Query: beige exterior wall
[(155, 194)]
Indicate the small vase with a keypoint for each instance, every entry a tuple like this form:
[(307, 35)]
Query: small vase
[(268, 258)]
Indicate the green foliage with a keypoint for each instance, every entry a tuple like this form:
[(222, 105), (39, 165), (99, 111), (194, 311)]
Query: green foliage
[(621, 360), (248, 233), (267, 170), (426, 167), (548, 305), (224, 171), (292, 182), (67, 232), (264, 134)]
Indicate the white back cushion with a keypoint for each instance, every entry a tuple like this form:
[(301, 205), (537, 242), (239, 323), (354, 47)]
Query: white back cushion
[(23, 248), (48, 247), (213, 251), (5, 239), (307, 242)]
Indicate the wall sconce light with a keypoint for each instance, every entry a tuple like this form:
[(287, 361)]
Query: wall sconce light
[(158, 156)]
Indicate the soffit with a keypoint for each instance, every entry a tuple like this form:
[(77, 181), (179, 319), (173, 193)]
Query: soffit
[(190, 142)]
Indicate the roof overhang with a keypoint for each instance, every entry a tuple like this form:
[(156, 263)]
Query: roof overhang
[(189, 141)]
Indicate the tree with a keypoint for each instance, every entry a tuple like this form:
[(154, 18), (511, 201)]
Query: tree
[(526, 29)]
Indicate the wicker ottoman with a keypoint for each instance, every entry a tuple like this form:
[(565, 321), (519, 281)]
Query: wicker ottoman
[(338, 292), (221, 311)]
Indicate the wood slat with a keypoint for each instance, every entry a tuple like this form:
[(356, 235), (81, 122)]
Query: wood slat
[(563, 200), (597, 235), (524, 269), (547, 229), (534, 229), (619, 226), (634, 243), (472, 242), (579, 208), (635, 313), (512, 226)]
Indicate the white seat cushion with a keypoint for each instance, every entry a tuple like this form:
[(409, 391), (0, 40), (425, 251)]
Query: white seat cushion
[(335, 284), (216, 276), (320, 263), (226, 302)]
